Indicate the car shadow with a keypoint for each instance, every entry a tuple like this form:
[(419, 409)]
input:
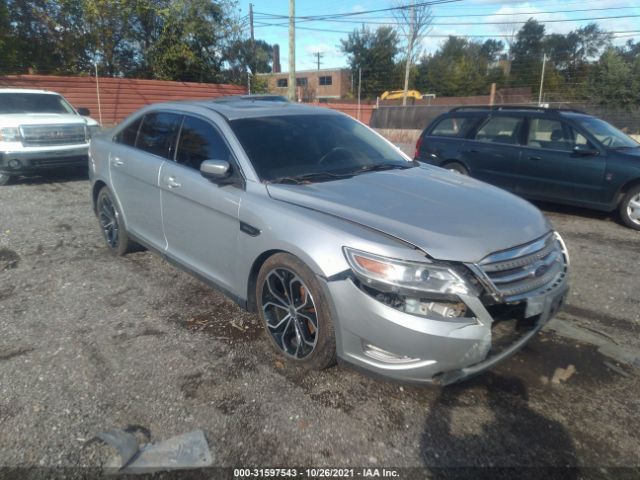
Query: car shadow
[(576, 211), (485, 428), (68, 174)]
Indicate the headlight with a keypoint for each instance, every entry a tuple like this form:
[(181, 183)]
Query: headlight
[(91, 130), (389, 274), (10, 134)]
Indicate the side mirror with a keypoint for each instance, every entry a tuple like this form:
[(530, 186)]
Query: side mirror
[(84, 111), (215, 170), (585, 151)]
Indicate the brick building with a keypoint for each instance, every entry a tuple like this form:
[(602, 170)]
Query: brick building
[(312, 84)]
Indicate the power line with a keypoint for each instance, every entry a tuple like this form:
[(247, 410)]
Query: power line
[(350, 14), (563, 20), (330, 18)]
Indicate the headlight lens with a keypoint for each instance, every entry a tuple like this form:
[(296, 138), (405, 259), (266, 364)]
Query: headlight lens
[(10, 134), (91, 130), (389, 274)]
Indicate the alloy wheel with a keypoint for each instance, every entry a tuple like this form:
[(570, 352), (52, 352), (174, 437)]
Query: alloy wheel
[(108, 217), (633, 209), (290, 313)]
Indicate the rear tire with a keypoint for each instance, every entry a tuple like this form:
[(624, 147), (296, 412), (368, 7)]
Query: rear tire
[(456, 167), (630, 208), (295, 312), (111, 224), (5, 179)]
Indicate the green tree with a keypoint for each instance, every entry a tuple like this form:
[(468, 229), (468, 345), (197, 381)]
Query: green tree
[(461, 67), (527, 53), (243, 56), (373, 52), (615, 82)]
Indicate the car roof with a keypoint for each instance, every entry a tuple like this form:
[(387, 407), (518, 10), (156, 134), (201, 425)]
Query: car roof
[(233, 108), (26, 90)]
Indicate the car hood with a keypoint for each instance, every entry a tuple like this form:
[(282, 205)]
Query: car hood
[(448, 216), (15, 119)]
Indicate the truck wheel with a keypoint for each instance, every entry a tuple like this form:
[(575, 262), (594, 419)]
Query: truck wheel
[(5, 178), (111, 224), (630, 208), (295, 312)]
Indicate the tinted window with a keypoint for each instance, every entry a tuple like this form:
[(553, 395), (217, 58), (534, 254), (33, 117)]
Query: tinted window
[(282, 82), (128, 135), (546, 133), (301, 82), (33, 103), (158, 133), (326, 80), (294, 145), (200, 141), (453, 126), (501, 130)]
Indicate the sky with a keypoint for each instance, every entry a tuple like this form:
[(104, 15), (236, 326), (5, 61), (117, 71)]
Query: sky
[(462, 18)]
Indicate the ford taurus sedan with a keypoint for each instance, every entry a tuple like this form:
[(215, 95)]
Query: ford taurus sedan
[(345, 247)]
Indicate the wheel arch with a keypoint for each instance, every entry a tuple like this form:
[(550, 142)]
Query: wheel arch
[(444, 163), (634, 182), (252, 304), (95, 190)]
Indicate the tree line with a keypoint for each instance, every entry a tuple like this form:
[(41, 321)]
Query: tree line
[(190, 40), (582, 65)]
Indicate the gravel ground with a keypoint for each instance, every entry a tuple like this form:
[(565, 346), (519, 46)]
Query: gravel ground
[(90, 342)]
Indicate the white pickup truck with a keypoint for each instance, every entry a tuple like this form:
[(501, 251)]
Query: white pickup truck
[(40, 130)]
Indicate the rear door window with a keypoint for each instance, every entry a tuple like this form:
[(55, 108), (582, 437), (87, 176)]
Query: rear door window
[(501, 130), (549, 134), (158, 133), (453, 126), (200, 141)]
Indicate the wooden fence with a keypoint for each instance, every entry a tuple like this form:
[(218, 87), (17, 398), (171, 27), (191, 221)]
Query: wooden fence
[(119, 97)]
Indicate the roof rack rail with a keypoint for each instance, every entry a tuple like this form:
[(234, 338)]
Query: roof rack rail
[(260, 97), (498, 108)]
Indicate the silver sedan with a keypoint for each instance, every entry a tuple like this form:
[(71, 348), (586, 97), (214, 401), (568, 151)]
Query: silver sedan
[(345, 247)]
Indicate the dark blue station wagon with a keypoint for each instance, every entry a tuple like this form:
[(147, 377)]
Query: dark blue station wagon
[(560, 156)]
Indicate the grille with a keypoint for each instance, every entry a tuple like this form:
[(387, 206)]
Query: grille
[(45, 135), (538, 266)]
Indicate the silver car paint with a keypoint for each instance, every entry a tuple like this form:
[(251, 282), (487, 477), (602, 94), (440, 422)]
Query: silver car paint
[(414, 214)]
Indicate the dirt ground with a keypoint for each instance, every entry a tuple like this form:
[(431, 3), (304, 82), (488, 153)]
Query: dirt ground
[(90, 342)]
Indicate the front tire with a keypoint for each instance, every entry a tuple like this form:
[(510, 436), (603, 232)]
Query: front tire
[(630, 208), (295, 312), (111, 223), (5, 179)]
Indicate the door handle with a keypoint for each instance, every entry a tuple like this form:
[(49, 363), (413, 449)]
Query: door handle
[(536, 158), (473, 150), (171, 183), (117, 162)]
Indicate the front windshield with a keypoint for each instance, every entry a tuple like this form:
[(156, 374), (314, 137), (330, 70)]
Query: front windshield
[(291, 146), (33, 103), (607, 134)]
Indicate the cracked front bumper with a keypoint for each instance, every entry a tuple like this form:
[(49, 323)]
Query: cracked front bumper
[(422, 350)]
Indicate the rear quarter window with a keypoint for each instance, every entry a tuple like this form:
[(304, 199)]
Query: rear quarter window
[(453, 126)]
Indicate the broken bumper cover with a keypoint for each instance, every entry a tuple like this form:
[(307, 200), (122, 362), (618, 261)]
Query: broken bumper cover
[(380, 339)]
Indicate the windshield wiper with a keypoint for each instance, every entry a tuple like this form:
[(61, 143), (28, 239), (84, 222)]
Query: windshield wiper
[(380, 167), (311, 177)]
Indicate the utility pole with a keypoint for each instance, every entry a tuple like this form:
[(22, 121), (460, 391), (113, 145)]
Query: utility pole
[(318, 55), (95, 64), (292, 50), (544, 63), (359, 89), (251, 20), (411, 39)]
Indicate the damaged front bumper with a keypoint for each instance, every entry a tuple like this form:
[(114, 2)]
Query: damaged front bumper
[(386, 341)]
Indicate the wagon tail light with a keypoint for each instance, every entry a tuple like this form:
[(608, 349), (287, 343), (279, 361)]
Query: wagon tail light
[(418, 145)]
